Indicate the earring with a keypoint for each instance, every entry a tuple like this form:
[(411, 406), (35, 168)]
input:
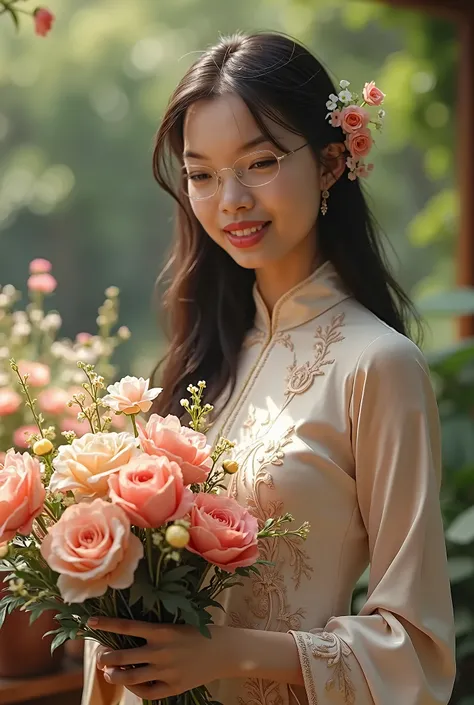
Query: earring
[(324, 204)]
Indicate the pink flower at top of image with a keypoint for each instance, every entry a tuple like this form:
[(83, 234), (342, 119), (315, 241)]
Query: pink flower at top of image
[(151, 491), (43, 21), (223, 532), (22, 494), (99, 532), (359, 143), (42, 283), (21, 435), (39, 375), (83, 338), (131, 395), (354, 118), (53, 400), (188, 448), (10, 401), (40, 266), (373, 95)]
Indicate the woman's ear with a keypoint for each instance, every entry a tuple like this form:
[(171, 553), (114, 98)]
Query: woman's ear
[(333, 164)]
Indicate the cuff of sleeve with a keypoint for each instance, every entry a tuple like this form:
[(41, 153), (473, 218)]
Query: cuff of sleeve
[(326, 662)]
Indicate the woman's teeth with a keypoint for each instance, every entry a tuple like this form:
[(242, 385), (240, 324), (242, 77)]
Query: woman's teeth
[(247, 231)]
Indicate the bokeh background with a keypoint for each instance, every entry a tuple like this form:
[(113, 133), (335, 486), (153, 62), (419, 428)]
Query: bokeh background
[(78, 112)]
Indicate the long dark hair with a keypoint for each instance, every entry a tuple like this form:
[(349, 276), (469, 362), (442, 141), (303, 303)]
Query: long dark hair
[(208, 301)]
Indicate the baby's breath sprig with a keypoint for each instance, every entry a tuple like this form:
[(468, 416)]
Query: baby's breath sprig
[(195, 408), (30, 403), (273, 528), (94, 385)]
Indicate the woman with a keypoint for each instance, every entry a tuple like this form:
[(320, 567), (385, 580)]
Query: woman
[(280, 299)]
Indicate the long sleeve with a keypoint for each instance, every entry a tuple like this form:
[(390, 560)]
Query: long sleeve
[(399, 650)]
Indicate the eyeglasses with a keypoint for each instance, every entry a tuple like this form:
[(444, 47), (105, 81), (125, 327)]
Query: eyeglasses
[(253, 170)]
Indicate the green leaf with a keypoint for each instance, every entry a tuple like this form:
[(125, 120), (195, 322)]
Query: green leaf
[(14, 17), (460, 568), (461, 530), (58, 640), (176, 574)]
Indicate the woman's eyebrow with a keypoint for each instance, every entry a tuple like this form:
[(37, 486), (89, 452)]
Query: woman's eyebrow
[(260, 139)]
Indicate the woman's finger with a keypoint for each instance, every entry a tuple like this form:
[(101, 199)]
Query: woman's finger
[(124, 657), (131, 676)]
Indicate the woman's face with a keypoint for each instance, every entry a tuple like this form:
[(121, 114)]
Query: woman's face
[(219, 130)]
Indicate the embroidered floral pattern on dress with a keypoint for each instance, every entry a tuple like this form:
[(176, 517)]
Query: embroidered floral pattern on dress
[(336, 652), (262, 693), (301, 377)]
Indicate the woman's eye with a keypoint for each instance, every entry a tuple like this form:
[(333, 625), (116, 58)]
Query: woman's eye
[(263, 164), (198, 177)]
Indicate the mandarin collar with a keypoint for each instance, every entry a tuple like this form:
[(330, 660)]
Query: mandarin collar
[(319, 292)]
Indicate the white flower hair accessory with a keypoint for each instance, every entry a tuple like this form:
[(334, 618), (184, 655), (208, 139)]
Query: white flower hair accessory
[(348, 111)]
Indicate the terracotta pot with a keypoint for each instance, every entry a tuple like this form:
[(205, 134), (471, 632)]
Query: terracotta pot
[(75, 649), (23, 651)]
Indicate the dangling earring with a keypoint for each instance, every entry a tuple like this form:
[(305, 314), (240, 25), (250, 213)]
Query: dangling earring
[(324, 204)]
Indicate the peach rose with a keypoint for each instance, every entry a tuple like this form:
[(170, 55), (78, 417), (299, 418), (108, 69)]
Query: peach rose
[(22, 434), (92, 548), (22, 494), (9, 401), (53, 400), (39, 375), (359, 143), (40, 266), (188, 448), (372, 94), (223, 532), (131, 395), (84, 466), (354, 118), (151, 491)]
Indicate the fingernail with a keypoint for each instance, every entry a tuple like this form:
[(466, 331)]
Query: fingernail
[(107, 677), (93, 621)]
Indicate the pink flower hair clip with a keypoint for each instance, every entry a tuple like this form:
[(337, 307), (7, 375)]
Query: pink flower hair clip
[(349, 113)]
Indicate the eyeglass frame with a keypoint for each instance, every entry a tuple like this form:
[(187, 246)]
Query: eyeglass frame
[(232, 168)]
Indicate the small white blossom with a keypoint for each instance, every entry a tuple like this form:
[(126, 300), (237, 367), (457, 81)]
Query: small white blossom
[(4, 353), (20, 317), (124, 333), (345, 96), (331, 106), (9, 290), (344, 83), (36, 315), (112, 292), (4, 300), (21, 330), (381, 114), (52, 321)]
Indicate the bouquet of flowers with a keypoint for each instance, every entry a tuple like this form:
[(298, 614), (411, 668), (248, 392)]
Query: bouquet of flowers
[(30, 334), (127, 525)]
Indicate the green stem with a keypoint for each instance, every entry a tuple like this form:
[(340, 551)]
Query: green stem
[(149, 552), (134, 423)]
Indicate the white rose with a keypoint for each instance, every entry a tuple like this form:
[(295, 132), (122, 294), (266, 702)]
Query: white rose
[(84, 466)]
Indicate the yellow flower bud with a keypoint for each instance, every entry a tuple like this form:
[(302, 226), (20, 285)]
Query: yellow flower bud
[(177, 536), (42, 447), (230, 466)]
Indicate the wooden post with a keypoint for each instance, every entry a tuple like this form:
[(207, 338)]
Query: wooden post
[(461, 12)]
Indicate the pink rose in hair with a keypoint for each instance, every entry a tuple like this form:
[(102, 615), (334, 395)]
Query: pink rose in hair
[(359, 143), (22, 494), (372, 94), (354, 118), (151, 491), (223, 532)]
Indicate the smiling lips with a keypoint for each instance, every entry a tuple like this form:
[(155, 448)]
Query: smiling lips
[(246, 233)]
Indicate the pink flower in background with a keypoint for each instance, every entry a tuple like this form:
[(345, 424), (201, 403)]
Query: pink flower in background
[(79, 427), (9, 401), (131, 395), (39, 375), (372, 94), (223, 532), (359, 143), (42, 283), (83, 338), (151, 491), (22, 494), (43, 21), (188, 448), (92, 548), (53, 400), (40, 266), (119, 422), (21, 435), (354, 118)]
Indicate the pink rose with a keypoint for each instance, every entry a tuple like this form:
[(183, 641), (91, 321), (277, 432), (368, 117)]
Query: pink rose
[(21, 435), (22, 494), (43, 21), (40, 266), (53, 400), (9, 401), (335, 118), (372, 94), (39, 375), (354, 118), (92, 548), (359, 143), (188, 448), (72, 424), (151, 491), (131, 395), (223, 532), (42, 283)]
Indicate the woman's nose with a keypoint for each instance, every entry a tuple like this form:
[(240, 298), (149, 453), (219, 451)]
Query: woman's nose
[(233, 194)]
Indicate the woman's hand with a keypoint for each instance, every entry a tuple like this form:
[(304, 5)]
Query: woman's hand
[(176, 657)]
